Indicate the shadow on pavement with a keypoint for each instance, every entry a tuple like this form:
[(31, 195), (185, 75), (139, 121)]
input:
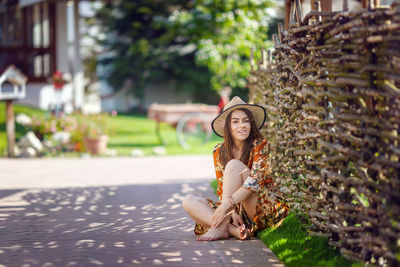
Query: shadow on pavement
[(110, 226)]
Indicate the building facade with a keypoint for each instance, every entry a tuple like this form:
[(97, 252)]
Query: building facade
[(41, 37)]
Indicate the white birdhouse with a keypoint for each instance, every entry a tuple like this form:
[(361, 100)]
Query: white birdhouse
[(12, 84)]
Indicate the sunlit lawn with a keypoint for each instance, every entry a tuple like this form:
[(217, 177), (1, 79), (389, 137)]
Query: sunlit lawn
[(128, 132), (138, 132), (295, 247)]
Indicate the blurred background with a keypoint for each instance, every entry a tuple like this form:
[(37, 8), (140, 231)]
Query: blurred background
[(90, 68), (133, 53), (87, 64)]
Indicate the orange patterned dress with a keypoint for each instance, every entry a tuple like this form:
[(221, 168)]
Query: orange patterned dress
[(270, 209)]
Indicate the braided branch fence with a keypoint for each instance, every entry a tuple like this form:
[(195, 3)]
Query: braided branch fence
[(332, 97)]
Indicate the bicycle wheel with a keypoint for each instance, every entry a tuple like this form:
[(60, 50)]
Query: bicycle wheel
[(192, 129)]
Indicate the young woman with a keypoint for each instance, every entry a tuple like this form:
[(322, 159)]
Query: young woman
[(248, 200)]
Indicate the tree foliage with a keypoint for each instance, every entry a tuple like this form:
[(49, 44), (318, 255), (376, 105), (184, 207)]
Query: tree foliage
[(195, 45)]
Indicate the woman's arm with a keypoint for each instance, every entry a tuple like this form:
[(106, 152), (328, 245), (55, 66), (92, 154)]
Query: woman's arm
[(260, 173), (228, 204)]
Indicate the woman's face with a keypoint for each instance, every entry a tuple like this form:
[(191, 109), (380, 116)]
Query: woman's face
[(240, 125)]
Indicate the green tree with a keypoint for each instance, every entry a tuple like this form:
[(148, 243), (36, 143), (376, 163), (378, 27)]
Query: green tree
[(196, 45), (224, 31)]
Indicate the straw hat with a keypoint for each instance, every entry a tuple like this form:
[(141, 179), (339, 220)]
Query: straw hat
[(257, 111)]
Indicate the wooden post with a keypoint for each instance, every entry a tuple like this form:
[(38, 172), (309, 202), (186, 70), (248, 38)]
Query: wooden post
[(326, 6), (10, 126), (364, 3), (287, 13), (299, 16), (275, 39), (264, 62), (317, 6), (280, 32), (252, 60), (292, 13), (345, 5)]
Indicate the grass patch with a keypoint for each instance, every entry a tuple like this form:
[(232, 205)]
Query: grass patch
[(136, 131), (19, 129), (294, 247), (128, 132), (214, 185)]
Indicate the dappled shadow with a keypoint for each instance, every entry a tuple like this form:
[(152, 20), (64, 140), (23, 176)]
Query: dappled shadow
[(107, 226)]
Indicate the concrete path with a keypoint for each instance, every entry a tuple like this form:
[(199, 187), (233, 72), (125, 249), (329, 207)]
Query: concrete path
[(111, 212)]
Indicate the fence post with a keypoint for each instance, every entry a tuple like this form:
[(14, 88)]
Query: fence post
[(280, 32), (251, 60), (345, 5), (10, 127), (264, 62), (298, 12)]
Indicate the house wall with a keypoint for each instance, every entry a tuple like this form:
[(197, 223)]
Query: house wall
[(43, 95), (62, 37), (32, 94)]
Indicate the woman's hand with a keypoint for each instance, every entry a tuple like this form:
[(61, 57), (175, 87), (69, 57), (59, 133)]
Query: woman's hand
[(224, 210), (237, 219)]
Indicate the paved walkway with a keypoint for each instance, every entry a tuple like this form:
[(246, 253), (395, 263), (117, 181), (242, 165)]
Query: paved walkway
[(111, 212)]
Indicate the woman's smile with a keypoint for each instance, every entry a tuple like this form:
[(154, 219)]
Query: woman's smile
[(243, 132), (240, 125)]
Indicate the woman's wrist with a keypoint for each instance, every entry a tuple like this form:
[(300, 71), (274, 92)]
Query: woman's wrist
[(228, 203), (230, 198)]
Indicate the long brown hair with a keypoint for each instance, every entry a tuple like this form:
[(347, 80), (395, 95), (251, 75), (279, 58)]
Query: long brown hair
[(226, 151)]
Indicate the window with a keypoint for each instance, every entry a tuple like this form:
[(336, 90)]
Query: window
[(27, 38)]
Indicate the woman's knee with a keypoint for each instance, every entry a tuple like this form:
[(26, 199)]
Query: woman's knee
[(235, 165), (189, 201)]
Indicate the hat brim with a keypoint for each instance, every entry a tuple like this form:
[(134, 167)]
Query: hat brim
[(258, 112)]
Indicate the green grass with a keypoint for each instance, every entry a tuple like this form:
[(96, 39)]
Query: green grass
[(136, 131), (214, 185), (19, 130), (128, 132), (294, 247)]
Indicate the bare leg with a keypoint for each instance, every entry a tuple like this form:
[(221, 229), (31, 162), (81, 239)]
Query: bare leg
[(198, 209), (200, 212), (234, 175)]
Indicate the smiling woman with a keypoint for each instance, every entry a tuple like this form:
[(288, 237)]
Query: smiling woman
[(249, 202)]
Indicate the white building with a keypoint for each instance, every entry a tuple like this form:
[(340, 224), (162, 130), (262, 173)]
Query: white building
[(40, 37)]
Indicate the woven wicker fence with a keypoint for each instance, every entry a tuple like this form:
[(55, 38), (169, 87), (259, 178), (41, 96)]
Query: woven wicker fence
[(332, 96)]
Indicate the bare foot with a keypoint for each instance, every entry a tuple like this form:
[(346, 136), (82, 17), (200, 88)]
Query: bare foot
[(244, 232), (214, 234), (240, 232)]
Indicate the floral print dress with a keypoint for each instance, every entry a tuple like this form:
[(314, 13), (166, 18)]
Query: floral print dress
[(270, 209)]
